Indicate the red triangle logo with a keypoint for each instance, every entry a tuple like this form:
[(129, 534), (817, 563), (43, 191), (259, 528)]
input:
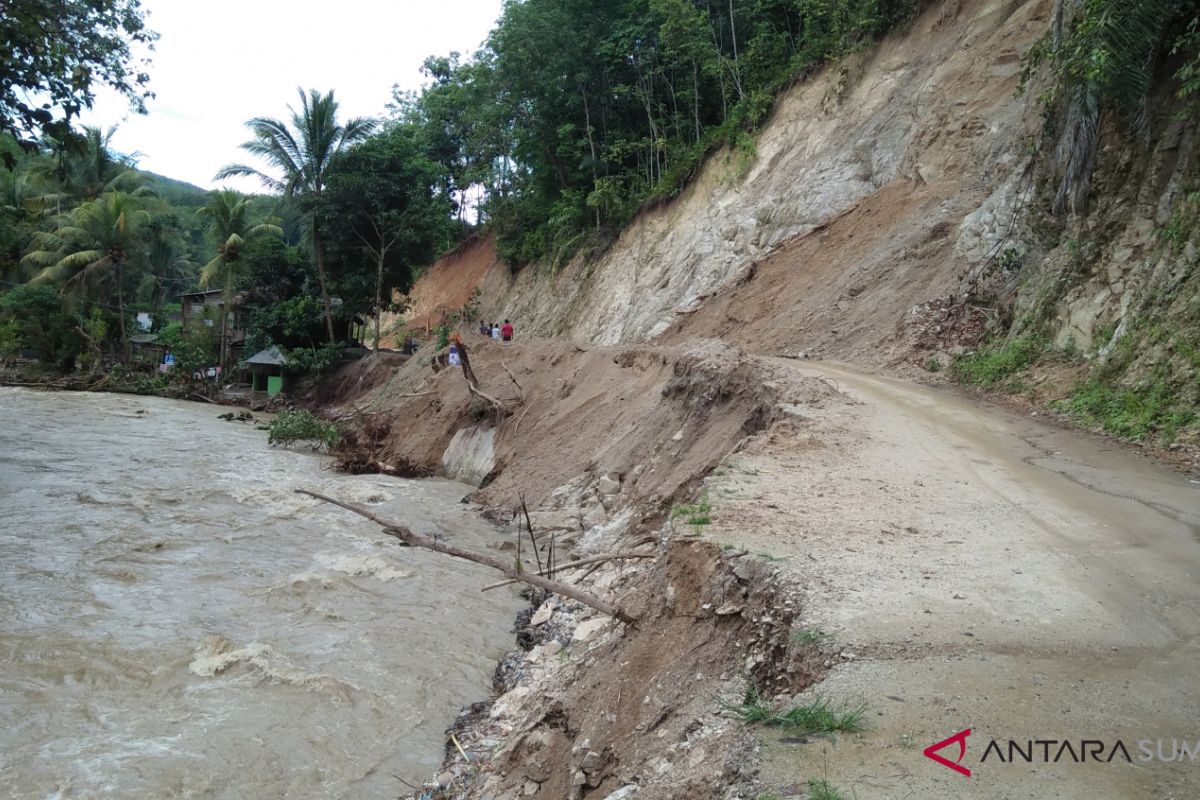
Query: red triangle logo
[(956, 764)]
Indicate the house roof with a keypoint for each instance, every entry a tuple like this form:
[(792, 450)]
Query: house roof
[(202, 293), (144, 338), (269, 357)]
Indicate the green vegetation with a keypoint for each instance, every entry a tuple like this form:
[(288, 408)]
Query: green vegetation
[(753, 708), (810, 636), (56, 53), (379, 204), (819, 715), (994, 367), (300, 426), (1152, 408), (574, 115), (821, 789), (1104, 56), (696, 514), (299, 156)]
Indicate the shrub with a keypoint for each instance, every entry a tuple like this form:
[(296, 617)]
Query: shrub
[(301, 426), (989, 368), (314, 360)]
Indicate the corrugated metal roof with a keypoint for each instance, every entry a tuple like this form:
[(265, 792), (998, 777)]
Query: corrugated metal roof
[(270, 357)]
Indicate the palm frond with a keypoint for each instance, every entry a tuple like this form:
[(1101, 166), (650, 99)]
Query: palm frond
[(213, 273)]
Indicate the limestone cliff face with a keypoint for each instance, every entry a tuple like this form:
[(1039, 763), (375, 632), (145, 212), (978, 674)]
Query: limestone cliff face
[(927, 119)]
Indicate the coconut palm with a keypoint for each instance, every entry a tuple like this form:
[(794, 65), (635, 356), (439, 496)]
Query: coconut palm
[(82, 167), (94, 240), (300, 154), (165, 255), (229, 227)]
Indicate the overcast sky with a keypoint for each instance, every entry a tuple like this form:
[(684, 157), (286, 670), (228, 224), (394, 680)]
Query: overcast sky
[(221, 62)]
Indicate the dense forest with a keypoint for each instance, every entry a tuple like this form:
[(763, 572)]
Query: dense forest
[(574, 115)]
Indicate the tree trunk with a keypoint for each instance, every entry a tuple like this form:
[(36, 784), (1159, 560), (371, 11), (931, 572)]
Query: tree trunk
[(513, 571), (378, 294), (125, 353), (319, 252)]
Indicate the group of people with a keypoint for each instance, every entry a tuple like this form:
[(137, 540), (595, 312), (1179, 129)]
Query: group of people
[(494, 330)]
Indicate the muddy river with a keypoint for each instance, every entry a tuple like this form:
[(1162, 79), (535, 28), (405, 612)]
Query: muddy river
[(176, 622)]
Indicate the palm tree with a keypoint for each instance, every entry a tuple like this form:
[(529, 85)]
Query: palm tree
[(82, 167), (166, 259), (229, 227), (301, 154), (92, 241)]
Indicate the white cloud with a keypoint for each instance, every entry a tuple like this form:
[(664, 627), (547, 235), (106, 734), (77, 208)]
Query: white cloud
[(221, 62)]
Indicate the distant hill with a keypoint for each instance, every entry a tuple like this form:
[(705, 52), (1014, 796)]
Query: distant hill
[(177, 192)]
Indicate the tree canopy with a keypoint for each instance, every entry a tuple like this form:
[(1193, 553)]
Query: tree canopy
[(576, 114), (53, 55), (298, 156)]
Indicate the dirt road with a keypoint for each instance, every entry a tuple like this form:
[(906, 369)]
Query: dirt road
[(974, 568)]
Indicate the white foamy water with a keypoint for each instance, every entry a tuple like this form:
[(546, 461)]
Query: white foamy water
[(176, 622)]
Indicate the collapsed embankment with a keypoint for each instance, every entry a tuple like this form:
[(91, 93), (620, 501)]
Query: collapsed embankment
[(601, 443), (652, 419)]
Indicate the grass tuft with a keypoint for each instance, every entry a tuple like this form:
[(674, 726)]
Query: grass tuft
[(821, 789), (753, 708), (810, 636), (1137, 413), (696, 514), (820, 715)]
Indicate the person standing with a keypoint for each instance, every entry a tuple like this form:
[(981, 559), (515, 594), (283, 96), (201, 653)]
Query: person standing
[(506, 331), (496, 331)]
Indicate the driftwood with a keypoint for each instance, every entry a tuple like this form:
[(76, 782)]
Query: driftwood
[(407, 536), (597, 559)]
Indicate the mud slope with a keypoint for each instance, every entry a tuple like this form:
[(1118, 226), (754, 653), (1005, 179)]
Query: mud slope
[(883, 180), (446, 286), (652, 419)]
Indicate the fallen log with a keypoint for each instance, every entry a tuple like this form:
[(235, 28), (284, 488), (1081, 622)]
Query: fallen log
[(597, 559), (413, 539)]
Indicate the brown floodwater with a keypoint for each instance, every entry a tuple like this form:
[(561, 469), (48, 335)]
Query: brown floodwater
[(176, 622)]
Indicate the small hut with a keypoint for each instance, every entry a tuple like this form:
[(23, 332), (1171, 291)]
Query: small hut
[(147, 348), (266, 370)]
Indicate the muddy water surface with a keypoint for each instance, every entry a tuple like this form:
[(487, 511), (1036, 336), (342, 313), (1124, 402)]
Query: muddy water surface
[(176, 622)]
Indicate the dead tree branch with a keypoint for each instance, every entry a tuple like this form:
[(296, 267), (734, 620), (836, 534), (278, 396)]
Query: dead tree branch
[(511, 571), (580, 563), (513, 378)]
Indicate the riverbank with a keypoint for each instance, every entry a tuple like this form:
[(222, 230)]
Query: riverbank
[(606, 447), (793, 537)]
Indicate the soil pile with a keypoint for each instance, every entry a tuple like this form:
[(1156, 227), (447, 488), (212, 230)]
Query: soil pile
[(651, 420)]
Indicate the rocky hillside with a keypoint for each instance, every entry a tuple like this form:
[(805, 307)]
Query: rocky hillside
[(872, 189), (896, 212)]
